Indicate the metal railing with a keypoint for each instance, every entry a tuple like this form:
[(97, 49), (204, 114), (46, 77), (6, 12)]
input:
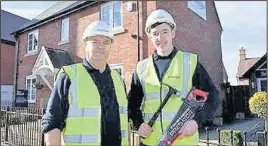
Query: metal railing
[(135, 139), (21, 126)]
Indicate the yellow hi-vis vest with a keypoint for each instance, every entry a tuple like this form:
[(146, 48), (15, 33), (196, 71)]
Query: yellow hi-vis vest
[(179, 76), (83, 124)]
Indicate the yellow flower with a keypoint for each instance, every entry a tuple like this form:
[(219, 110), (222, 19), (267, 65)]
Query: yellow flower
[(257, 104)]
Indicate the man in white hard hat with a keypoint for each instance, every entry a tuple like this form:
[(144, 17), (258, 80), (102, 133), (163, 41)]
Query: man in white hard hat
[(180, 70), (88, 104)]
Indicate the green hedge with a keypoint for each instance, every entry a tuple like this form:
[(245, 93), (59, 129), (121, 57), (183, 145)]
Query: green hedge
[(225, 137)]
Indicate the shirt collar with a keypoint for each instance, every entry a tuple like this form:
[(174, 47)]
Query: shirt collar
[(170, 56), (90, 68)]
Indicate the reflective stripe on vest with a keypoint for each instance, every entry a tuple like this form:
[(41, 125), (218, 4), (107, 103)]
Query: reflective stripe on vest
[(85, 114), (179, 76), (165, 116)]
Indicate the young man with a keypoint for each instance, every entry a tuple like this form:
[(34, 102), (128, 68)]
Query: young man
[(88, 104), (181, 70)]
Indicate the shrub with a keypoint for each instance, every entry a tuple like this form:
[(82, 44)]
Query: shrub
[(225, 137), (257, 104)]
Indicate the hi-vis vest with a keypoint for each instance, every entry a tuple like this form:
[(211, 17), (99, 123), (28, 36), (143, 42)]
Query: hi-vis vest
[(83, 124), (178, 75)]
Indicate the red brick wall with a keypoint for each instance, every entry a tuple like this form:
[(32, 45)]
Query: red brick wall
[(124, 49), (7, 63), (197, 35)]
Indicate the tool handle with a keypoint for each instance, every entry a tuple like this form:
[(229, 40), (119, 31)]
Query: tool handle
[(156, 114), (197, 92)]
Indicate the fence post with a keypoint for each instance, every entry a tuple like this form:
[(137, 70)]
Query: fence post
[(245, 136), (232, 141), (207, 134), (6, 125), (219, 135), (43, 136)]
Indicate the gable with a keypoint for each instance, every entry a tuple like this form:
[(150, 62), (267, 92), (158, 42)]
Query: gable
[(260, 65), (263, 66), (217, 15), (245, 65), (43, 62)]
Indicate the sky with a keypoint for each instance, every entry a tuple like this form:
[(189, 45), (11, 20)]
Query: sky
[(243, 22)]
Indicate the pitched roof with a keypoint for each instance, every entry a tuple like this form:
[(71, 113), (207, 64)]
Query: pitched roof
[(59, 9), (217, 14), (59, 57), (255, 65), (245, 65), (9, 23)]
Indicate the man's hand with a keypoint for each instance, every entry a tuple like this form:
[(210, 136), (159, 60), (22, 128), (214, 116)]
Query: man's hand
[(188, 129), (145, 130), (53, 137)]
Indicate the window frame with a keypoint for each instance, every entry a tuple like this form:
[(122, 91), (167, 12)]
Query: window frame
[(31, 77), (65, 21), (111, 11), (259, 83), (35, 34)]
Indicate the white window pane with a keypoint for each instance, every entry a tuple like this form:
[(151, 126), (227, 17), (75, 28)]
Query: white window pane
[(30, 81), (117, 19), (62, 33), (28, 87), (28, 84), (65, 29), (30, 42), (117, 6), (117, 14), (105, 14), (106, 10), (33, 94), (106, 19), (117, 22)]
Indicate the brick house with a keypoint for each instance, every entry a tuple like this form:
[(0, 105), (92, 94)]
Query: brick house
[(244, 65), (257, 75), (9, 23), (61, 27)]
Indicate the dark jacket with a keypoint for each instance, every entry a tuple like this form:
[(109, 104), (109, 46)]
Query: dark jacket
[(57, 108), (201, 80)]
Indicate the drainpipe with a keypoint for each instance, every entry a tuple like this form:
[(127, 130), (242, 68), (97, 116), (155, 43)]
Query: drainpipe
[(16, 69), (266, 125), (138, 30)]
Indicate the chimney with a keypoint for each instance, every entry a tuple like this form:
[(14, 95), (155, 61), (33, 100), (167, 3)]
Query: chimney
[(242, 53)]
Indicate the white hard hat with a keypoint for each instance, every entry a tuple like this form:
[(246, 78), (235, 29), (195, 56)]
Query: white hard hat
[(97, 28), (159, 16)]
